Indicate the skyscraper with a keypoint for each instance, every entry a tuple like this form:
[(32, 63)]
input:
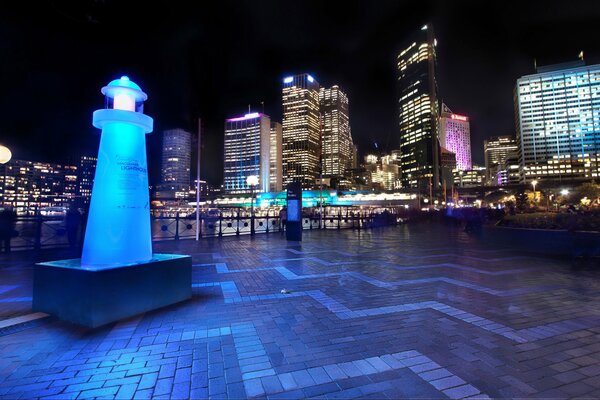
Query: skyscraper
[(175, 167), (275, 152), (87, 169), (418, 111), (455, 136), (558, 122), (247, 143), (337, 146), (497, 150), (301, 130)]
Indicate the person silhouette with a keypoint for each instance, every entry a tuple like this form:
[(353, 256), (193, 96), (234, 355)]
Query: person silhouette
[(72, 222), (8, 218)]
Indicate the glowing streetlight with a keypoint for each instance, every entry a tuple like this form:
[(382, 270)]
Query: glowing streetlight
[(252, 182), (533, 183), (5, 154), (564, 192)]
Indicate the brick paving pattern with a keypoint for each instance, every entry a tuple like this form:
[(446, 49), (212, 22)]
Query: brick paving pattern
[(421, 311)]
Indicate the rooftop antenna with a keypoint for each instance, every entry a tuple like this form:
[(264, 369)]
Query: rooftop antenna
[(263, 106), (248, 108), (535, 64)]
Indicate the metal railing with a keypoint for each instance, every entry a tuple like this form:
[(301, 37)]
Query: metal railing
[(40, 232)]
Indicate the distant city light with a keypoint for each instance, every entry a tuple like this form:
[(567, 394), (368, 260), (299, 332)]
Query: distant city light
[(252, 180), (458, 117), (5, 154), (288, 79), (310, 78), (245, 117), (564, 192), (424, 28)]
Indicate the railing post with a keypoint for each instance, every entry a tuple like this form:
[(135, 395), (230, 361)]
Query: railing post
[(38, 231), (220, 224), (237, 232), (339, 218), (177, 226), (267, 231)]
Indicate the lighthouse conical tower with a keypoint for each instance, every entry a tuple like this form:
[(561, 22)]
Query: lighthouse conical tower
[(118, 228)]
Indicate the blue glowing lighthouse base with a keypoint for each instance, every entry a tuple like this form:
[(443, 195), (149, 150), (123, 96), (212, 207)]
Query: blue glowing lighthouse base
[(97, 296), (117, 276)]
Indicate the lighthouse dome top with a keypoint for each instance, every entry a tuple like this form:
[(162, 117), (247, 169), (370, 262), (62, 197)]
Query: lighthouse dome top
[(124, 94), (124, 85)]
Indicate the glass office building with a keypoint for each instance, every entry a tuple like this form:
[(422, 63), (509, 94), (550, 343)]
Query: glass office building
[(558, 122), (275, 166), (175, 166), (498, 149), (301, 130), (418, 111), (247, 147), (455, 136), (337, 145)]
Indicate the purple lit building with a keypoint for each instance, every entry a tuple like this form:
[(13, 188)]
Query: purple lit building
[(455, 136)]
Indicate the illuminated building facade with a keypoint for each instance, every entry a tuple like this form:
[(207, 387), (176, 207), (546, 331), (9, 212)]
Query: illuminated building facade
[(337, 146), (275, 153), (470, 178), (301, 130), (87, 169), (558, 122), (176, 163), (418, 111), (455, 136), (496, 151), (384, 171), (247, 152), (31, 186)]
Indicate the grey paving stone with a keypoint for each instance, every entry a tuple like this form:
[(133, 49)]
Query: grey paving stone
[(419, 310)]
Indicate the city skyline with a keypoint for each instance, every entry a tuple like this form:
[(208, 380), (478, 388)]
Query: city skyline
[(58, 73)]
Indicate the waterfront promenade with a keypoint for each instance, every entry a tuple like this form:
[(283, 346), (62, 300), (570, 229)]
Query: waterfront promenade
[(412, 311)]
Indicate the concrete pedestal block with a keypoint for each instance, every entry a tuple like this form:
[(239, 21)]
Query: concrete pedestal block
[(97, 296)]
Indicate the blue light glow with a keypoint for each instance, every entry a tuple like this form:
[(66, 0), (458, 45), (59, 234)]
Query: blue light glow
[(118, 228), (288, 79), (310, 78)]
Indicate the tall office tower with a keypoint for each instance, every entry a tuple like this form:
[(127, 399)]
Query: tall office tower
[(455, 136), (87, 169), (175, 168), (301, 130), (497, 150), (354, 159), (275, 152), (336, 145), (558, 122), (418, 111), (247, 143)]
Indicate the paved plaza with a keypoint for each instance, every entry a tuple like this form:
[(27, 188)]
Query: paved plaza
[(414, 311)]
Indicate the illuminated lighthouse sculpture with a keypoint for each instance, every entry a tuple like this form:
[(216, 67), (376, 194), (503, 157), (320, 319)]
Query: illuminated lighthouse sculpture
[(118, 228), (117, 275)]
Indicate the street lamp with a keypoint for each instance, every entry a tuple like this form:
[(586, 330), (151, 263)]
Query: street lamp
[(533, 183), (252, 182), (564, 192), (5, 156)]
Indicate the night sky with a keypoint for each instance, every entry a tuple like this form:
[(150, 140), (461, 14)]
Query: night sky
[(211, 62)]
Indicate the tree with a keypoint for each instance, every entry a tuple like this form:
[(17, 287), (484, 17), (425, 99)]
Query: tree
[(589, 190), (522, 201)]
